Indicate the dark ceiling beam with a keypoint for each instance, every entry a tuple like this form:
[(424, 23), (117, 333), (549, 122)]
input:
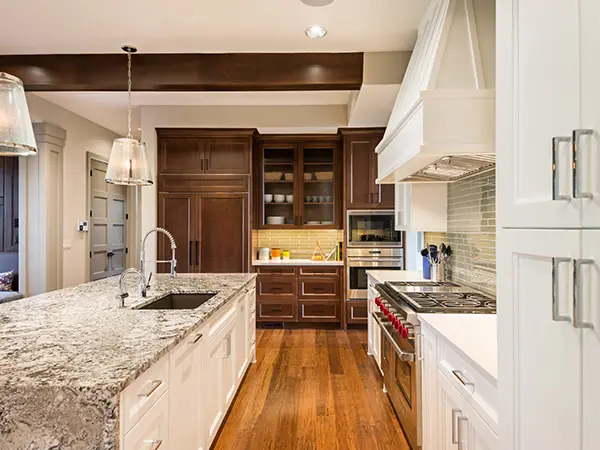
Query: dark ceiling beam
[(188, 72)]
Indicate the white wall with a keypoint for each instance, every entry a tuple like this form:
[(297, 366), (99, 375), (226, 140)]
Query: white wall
[(82, 136), (268, 119)]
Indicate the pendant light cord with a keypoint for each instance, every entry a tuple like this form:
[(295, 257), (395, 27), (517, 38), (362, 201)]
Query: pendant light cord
[(129, 135)]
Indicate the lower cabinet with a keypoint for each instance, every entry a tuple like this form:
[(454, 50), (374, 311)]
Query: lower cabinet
[(180, 402), (373, 330), (356, 312)]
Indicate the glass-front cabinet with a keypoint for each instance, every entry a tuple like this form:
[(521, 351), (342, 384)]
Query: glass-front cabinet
[(299, 183)]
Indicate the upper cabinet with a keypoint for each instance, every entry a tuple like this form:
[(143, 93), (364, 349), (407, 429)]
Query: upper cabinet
[(547, 130), (362, 191), (298, 182), (226, 156)]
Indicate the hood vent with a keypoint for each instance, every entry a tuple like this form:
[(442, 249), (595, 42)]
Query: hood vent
[(446, 104)]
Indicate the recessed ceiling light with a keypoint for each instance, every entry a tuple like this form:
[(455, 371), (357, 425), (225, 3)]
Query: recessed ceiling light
[(315, 32), (317, 3)]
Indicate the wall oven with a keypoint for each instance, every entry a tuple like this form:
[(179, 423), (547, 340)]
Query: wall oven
[(372, 229), (359, 260)]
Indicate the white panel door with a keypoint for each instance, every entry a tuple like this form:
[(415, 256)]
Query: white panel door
[(229, 374), (588, 310), (539, 349), (588, 160), (451, 413), (185, 382), (429, 390), (481, 437), (213, 405), (241, 337), (538, 99)]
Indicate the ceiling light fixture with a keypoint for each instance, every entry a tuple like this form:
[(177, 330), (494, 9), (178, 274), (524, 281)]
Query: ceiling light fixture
[(16, 130), (128, 162), (317, 3), (316, 32)]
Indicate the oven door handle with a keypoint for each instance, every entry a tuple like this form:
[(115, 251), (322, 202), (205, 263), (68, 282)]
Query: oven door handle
[(374, 259), (404, 356)]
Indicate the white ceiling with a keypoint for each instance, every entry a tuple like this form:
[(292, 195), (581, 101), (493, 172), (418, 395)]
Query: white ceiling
[(196, 26)]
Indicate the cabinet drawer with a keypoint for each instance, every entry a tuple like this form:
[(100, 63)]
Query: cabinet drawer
[(310, 311), (144, 392), (203, 183), (323, 271), (319, 287), (152, 431), (276, 287), (279, 270), (276, 312), (356, 311), (470, 382)]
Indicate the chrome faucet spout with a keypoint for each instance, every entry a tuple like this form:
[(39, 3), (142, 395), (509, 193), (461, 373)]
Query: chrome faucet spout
[(141, 285), (172, 262)]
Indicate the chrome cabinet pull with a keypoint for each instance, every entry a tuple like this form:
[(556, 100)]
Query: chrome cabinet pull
[(576, 135), (197, 337), (420, 353), (577, 313), (556, 317), (555, 147), (463, 380), (455, 414), (155, 444), (154, 386), (460, 439)]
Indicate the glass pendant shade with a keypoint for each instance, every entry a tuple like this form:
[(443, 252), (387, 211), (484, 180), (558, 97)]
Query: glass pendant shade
[(128, 163), (16, 130)]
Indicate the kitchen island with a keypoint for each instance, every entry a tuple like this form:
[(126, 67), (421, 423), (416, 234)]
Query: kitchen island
[(66, 356)]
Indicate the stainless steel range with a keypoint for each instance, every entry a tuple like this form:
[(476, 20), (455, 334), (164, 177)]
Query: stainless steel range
[(396, 313)]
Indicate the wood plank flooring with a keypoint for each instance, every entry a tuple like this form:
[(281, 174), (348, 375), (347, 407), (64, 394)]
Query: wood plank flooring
[(311, 389)]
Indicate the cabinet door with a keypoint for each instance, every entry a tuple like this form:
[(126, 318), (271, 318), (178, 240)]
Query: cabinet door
[(429, 382), (588, 308), (481, 437), (229, 372), (180, 156), (185, 382), (451, 415), (223, 232), (241, 337), (359, 171), (227, 156), (177, 213), (213, 404), (383, 194), (589, 159), (538, 100), (539, 350), (371, 324)]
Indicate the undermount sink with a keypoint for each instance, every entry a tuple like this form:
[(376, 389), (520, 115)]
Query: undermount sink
[(179, 301)]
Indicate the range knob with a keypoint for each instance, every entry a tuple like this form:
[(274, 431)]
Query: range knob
[(378, 301)]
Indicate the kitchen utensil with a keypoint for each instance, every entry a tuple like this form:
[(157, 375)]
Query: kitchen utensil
[(433, 253), (328, 199), (448, 252), (308, 199), (268, 198), (322, 199), (289, 198), (264, 253), (438, 272), (279, 198), (276, 254), (275, 220)]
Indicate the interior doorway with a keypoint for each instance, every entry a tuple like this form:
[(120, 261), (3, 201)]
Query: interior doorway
[(9, 225), (107, 222)]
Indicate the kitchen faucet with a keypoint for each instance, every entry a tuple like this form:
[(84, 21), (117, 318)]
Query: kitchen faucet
[(141, 285), (172, 261)]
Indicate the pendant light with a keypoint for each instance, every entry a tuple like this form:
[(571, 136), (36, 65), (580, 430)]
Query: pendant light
[(128, 163), (16, 131)]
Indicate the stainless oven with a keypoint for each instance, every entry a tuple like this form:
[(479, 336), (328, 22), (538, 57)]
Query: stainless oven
[(359, 260), (372, 229)]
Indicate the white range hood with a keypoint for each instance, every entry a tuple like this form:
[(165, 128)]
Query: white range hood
[(442, 127)]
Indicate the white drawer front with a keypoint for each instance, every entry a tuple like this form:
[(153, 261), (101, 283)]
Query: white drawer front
[(474, 386), (152, 431), (140, 395)]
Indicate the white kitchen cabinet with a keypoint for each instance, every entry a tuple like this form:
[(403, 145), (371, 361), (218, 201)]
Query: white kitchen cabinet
[(538, 99), (152, 431), (374, 332), (242, 337), (429, 371), (185, 399), (230, 379), (480, 435), (421, 207), (540, 352), (451, 412)]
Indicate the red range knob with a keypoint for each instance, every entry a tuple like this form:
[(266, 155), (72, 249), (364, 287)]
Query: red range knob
[(405, 332), (377, 301)]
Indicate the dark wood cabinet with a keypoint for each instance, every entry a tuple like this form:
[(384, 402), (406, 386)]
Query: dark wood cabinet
[(299, 294), (362, 192), (307, 171), (356, 312), (204, 198)]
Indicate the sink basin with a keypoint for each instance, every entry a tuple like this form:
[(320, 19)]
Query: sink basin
[(179, 301)]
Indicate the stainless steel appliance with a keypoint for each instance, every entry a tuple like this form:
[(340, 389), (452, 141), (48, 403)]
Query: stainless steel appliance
[(396, 312), (359, 260), (372, 229)]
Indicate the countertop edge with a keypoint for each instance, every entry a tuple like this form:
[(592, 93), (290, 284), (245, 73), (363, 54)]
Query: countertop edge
[(298, 262)]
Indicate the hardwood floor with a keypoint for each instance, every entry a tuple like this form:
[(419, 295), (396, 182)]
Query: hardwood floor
[(311, 389)]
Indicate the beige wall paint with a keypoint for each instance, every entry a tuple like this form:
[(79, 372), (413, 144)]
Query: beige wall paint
[(268, 119), (82, 136)]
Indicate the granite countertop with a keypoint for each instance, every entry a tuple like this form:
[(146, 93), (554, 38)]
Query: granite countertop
[(381, 276), (475, 335), (68, 354), (296, 262)]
